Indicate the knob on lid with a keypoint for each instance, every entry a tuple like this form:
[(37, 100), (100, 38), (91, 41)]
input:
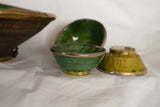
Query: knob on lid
[(122, 50)]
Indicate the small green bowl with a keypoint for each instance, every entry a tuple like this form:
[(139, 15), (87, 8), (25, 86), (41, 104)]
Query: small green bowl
[(77, 58), (86, 31)]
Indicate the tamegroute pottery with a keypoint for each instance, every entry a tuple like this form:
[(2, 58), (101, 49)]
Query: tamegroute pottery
[(122, 60), (78, 59), (86, 31), (16, 26)]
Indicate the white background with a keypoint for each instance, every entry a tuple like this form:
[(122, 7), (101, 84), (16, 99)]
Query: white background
[(34, 79)]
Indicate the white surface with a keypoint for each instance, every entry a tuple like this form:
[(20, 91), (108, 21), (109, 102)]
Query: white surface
[(34, 79)]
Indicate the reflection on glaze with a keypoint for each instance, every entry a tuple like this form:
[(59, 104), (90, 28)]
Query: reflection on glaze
[(75, 38), (83, 31)]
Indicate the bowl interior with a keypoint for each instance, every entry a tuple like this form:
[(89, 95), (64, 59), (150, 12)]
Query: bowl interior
[(77, 48), (83, 31)]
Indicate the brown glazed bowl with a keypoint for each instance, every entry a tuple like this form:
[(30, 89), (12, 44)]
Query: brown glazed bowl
[(16, 26)]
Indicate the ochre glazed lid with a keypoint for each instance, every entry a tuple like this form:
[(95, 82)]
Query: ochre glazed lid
[(86, 31), (122, 60), (11, 12)]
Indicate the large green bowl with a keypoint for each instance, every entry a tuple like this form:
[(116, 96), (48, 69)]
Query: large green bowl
[(86, 31), (78, 59)]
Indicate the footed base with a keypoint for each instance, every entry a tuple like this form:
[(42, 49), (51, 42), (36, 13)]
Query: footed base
[(5, 58), (123, 73), (77, 73)]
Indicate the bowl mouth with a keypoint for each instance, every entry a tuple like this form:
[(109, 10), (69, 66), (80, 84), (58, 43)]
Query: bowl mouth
[(101, 50), (12, 12), (104, 37)]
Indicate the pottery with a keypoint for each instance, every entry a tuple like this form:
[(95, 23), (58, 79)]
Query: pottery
[(122, 61), (16, 26), (76, 58), (86, 31)]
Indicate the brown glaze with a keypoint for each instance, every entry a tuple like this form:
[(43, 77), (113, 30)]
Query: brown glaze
[(17, 25)]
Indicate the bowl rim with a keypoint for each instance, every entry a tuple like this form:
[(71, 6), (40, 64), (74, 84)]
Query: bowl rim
[(122, 50), (15, 12), (94, 54), (105, 35)]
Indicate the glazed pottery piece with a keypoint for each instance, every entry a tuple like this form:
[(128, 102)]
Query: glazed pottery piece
[(77, 59), (122, 61), (16, 26), (86, 31)]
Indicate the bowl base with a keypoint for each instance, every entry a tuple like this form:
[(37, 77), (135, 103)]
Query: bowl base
[(79, 73), (6, 58), (123, 73)]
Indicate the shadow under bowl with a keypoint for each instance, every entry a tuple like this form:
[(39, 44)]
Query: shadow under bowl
[(76, 58), (16, 26), (86, 31)]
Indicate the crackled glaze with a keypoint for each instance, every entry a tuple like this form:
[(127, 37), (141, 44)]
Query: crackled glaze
[(77, 59)]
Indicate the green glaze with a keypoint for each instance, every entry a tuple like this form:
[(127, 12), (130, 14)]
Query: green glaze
[(2, 6), (133, 70), (75, 62), (77, 48), (83, 31)]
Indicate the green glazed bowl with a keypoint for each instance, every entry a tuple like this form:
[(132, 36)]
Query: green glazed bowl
[(86, 31), (77, 59)]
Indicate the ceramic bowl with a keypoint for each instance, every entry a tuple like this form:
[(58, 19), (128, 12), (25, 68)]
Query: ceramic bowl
[(122, 61), (16, 26), (86, 31), (77, 59)]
